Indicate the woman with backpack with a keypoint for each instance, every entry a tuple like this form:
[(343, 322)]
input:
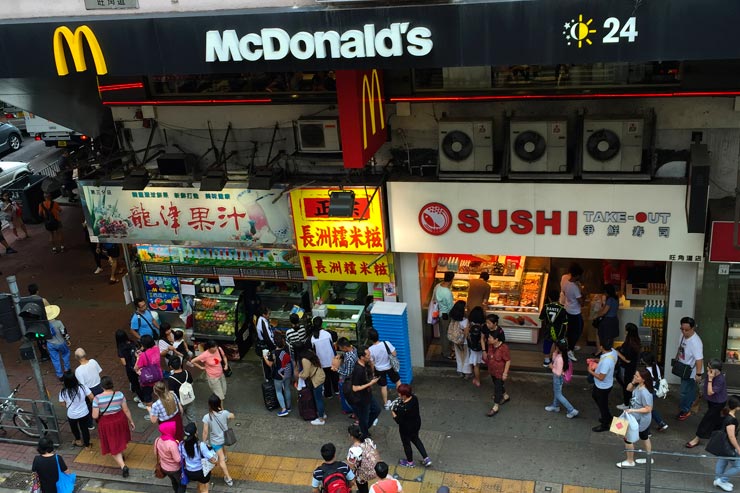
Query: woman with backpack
[(715, 393), (456, 333), (281, 367), (323, 346), (477, 324), (561, 367), (192, 452), (362, 457), (648, 359), (166, 408), (215, 424)]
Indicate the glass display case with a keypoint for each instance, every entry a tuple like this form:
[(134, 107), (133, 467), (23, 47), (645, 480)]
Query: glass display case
[(280, 297), (347, 320), (219, 316)]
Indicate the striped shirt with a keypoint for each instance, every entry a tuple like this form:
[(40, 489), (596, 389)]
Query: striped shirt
[(159, 411), (295, 338), (101, 401)]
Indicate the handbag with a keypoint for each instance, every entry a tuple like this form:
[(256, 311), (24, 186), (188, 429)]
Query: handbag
[(35, 483), (681, 370), (229, 434), (66, 481), (720, 445), (596, 322), (227, 371), (205, 464), (395, 364), (158, 472), (150, 374), (184, 479)]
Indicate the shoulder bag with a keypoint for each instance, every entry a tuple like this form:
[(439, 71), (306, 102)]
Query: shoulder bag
[(227, 371), (66, 481), (681, 370), (395, 364), (158, 472), (229, 434), (155, 332), (35, 483), (720, 445), (106, 407)]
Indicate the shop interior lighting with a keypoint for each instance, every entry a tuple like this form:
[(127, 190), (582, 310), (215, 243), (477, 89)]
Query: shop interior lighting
[(600, 95), (186, 102), (213, 181), (341, 203), (137, 179), (120, 87)]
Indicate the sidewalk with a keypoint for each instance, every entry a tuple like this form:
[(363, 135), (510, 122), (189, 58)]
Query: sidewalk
[(522, 449)]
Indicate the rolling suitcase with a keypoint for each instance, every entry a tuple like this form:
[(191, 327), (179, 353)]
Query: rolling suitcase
[(269, 395), (306, 404)]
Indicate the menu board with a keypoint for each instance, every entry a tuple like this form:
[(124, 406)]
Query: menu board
[(218, 256), (163, 293)]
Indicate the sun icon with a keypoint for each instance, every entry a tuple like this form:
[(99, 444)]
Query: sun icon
[(578, 31)]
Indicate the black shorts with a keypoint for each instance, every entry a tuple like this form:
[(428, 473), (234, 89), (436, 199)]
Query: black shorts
[(384, 375), (644, 435), (198, 476)]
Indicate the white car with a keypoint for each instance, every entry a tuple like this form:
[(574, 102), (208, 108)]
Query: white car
[(11, 170)]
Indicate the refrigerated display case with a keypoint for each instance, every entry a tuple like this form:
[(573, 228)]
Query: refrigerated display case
[(347, 320), (280, 297), (219, 316)]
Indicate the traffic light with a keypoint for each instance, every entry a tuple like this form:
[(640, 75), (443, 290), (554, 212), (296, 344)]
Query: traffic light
[(34, 316), (10, 329)]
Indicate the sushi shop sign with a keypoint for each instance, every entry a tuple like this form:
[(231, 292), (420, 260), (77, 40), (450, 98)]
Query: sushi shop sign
[(638, 222), (252, 218)]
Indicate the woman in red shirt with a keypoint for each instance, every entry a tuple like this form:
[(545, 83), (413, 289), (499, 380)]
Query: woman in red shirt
[(498, 360)]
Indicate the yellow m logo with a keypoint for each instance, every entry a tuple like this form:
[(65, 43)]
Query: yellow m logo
[(371, 93), (62, 35)]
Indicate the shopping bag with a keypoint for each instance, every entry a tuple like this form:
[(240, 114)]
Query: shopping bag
[(619, 426), (66, 481), (35, 483), (633, 429)]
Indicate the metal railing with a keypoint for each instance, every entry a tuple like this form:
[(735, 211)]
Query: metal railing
[(670, 472), (24, 421)]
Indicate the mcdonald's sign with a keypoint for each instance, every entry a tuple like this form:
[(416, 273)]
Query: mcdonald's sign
[(64, 35), (361, 115)]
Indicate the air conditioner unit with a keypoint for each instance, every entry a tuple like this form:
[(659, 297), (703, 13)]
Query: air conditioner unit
[(538, 146), (465, 145), (612, 145), (318, 135)]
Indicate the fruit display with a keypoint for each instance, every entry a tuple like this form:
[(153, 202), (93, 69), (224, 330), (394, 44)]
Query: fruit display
[(215, 316), (220, 257), (346, 320)]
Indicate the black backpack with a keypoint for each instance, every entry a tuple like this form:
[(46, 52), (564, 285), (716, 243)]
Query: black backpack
[(474, 334)]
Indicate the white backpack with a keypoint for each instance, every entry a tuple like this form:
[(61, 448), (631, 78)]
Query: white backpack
[(662, 390), (187, 395)]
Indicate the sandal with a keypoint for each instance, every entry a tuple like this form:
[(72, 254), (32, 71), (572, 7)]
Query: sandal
[(507, 399), (691, 445), (492, 412)]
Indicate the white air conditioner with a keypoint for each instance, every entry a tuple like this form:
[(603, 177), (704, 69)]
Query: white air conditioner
[(318, 135), (538, 146), (465, 145), (612, 145)]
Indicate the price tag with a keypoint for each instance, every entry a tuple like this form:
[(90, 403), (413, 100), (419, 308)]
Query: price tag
[(187, 289), (225, 281)]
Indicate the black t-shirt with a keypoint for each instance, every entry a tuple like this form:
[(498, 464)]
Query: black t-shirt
[(361, 376), (46, 468), (127, 351), (555, 320), (729, 420), (407, 415), (177, 379), (631, 354), (325, 470)]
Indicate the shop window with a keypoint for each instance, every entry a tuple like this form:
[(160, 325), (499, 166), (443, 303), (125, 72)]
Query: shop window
[(542, 77), (287, 84)]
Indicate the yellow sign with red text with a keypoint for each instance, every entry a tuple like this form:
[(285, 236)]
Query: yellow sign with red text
[(346, 267), (315, 231)]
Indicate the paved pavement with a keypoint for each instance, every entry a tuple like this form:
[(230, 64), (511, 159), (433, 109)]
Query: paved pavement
[(523, 448)]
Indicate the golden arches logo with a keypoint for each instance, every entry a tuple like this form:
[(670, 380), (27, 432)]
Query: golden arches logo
[(371, 88), (62, 35)]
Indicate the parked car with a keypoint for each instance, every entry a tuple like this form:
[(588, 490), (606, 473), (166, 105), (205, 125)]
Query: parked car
[(10, 137), (12, 170)]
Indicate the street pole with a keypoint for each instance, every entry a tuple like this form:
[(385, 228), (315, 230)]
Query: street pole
[(13, 285), (4, 383)]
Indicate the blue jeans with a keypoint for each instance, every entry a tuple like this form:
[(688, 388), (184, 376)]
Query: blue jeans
[(282, 389), (59, 353), (318, 397), (688, 394), (722, 472), (557, 390), (655, 414), (367, 412), (345, 405)]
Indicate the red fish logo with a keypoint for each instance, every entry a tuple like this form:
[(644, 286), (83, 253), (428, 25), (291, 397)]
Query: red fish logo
[(435, 218)]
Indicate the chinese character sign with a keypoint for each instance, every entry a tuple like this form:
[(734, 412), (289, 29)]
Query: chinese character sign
[(347, 267), (364, 232), (253, 218)]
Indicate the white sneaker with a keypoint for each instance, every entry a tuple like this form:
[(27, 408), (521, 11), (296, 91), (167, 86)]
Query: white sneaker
[(388, 405), (572, 356), (644, 461), (147, 417), (318, 422), (572, 414), (622, 407), (136, 399), (722, 484), (98, 270), (141, 405), (576, 348), (552, 409), (625, 464), (375, 423)]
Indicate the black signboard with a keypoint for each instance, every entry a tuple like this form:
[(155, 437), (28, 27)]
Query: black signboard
[(316, 38)]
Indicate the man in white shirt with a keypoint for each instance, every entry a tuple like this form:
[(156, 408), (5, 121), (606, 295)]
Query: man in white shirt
[(88, 374), (603, 381), (690, 352), (382, 362), (572, 299)]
